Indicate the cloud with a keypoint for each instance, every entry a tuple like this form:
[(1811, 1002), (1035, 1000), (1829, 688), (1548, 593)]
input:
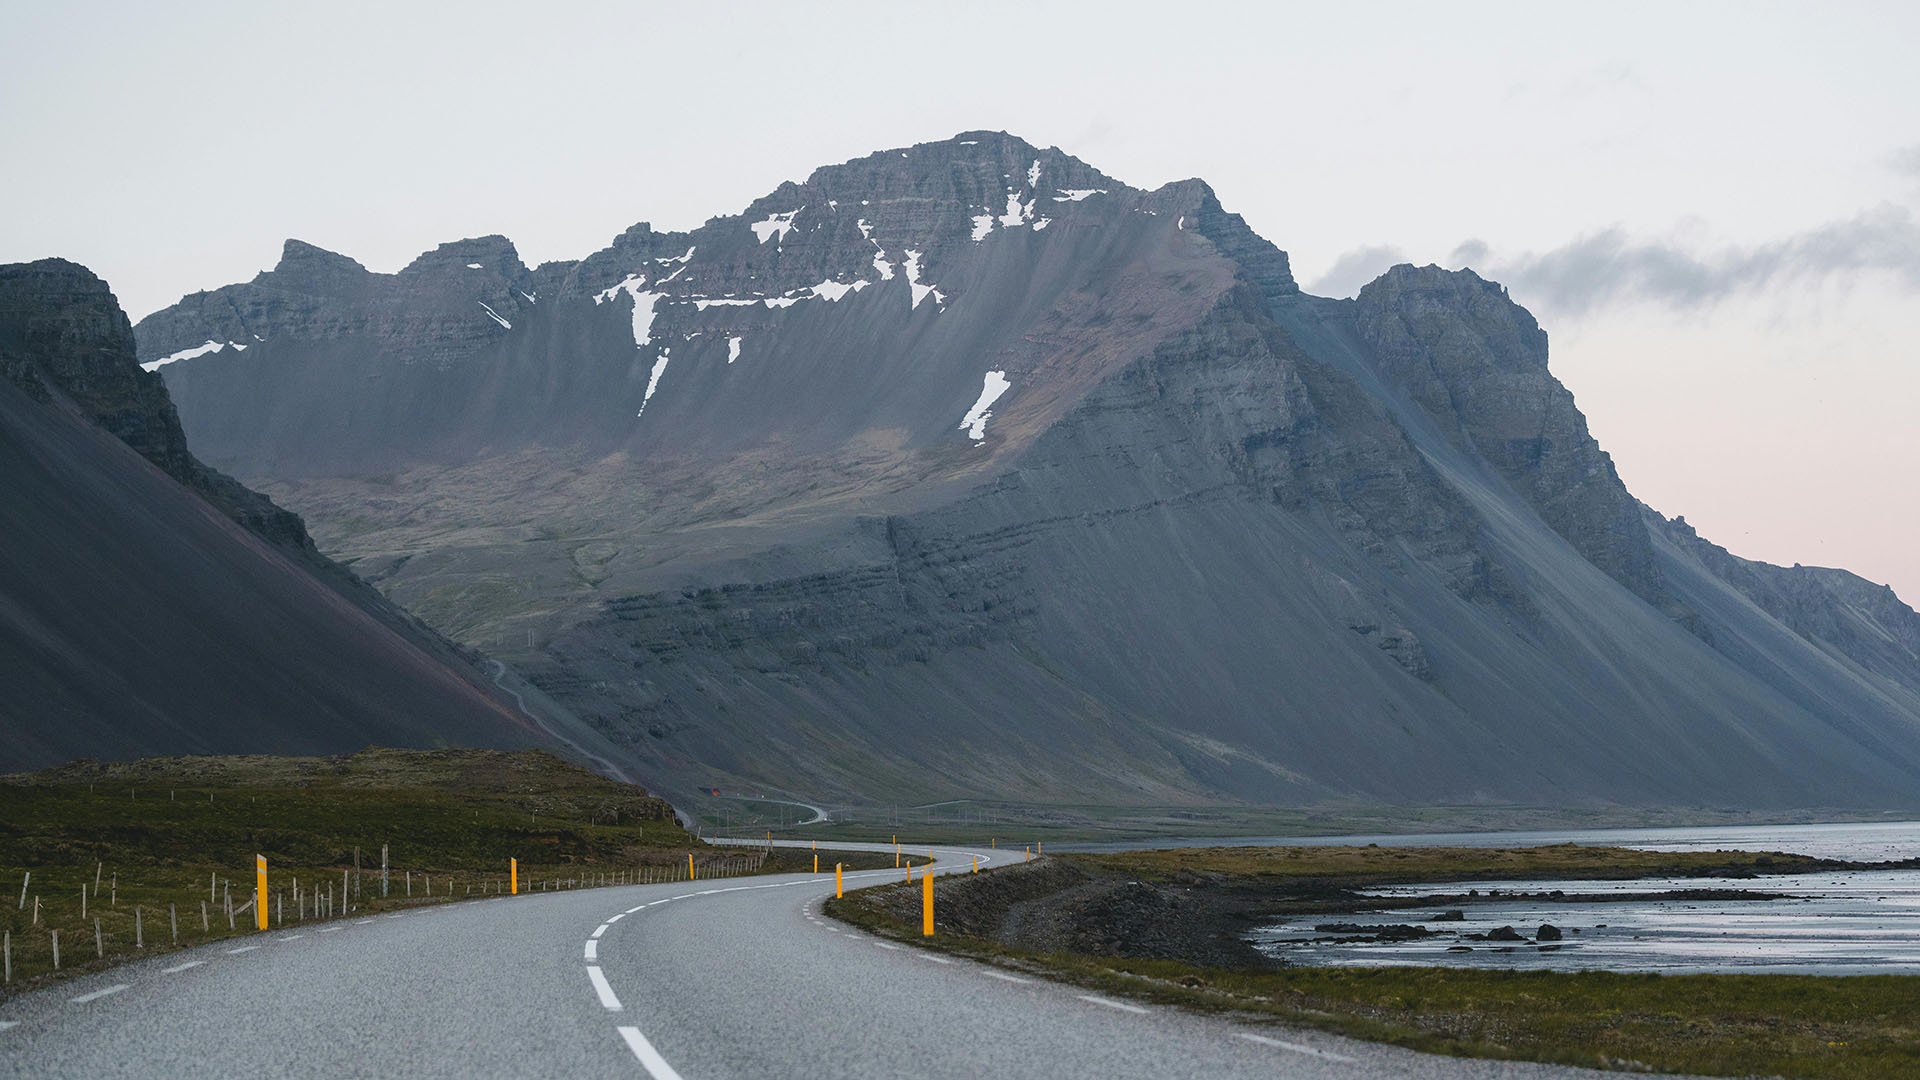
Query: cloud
[(1906, 160), (1354, 269), (1611, 266)]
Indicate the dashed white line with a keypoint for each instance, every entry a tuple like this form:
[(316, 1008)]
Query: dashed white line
[(932, 959), (885, 945), (593, 949), (178, 968), (362, 922), (5, 1024), (291, 937), (650, 1058), (327, 930), (1111, 1004), (601, 987), (241, 949), (601, 929), (98, 994), (1003, 976), (616, 918), (1295, 1047)]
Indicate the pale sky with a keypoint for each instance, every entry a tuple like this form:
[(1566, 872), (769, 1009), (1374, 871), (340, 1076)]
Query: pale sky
[(1710, 207)]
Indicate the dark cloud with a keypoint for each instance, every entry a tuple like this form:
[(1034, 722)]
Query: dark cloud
[(1611, 266), (1354, 269)]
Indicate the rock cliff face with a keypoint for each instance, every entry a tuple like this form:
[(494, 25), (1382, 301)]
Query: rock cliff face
[(150, 605), (966, 471)]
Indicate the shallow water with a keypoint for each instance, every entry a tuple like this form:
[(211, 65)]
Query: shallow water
[(1836, 924), (1878, 841)]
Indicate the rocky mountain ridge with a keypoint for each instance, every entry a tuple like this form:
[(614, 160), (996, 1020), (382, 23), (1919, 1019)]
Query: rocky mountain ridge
[(964, 470)]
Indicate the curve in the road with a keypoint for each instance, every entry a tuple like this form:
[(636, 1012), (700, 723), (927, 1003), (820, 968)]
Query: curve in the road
[(695, 980)]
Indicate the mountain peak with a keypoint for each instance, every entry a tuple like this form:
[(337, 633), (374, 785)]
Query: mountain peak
[(301, 258)]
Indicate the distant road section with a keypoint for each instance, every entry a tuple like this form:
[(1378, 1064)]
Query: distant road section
[(736, 978)]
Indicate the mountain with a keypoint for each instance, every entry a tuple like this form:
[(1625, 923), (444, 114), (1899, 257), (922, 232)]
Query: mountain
[(964, 471), (151, 605)]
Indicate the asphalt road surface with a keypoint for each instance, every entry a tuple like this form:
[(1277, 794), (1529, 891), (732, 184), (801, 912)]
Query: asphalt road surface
[(739, 977)]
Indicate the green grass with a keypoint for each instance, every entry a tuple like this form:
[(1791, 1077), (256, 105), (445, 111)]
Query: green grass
[(1840, 1027), (166, 835)]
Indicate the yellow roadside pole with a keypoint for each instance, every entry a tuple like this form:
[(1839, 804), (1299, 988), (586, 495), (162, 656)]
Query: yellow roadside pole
[(689, 866), (1026, 854), (513, 877), (816, 862), (926, 904), (896, 851), (1039, 847), (838, 892), (976, 864), (260, 891)]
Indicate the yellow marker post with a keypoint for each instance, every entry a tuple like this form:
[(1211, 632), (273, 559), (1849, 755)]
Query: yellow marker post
[(896, 851), (513, 877), (976, 864), (816, 862), (838, 892), (1039, 847), (260, 891), (689, 866), (926, 905)]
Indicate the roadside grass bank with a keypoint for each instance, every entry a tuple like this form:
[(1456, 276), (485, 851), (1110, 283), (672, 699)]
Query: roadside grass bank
[(132, 859), (1842, 1027)]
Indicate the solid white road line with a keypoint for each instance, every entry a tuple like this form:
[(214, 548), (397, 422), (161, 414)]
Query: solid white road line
[(656, 1065), (601, 987), (1111, 1004), (593, 949), (1295, 1047), (177, 968), (98, 994), (1004, 976), (241, 949)]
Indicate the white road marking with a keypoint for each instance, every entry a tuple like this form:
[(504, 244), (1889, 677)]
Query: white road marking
[(291, 937), (593, 949), (241, 949), (930, 958), (631, 910), (177, 968), (616, 918), (5, 1024), (326, 930), (1111, 1004), (650, 1058), (98, 994), (601, 987), (1004, 976), (884, 945), (1295, 1047), (601, 929), (362, 922)]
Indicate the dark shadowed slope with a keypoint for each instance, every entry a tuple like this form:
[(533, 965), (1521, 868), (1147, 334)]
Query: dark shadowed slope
[(963, 470), (136, 616)]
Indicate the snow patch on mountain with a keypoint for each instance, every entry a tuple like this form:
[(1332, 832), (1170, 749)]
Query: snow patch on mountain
[(733, 348), (920, 292), (643, 302), (975, 422), (776, 225), (982, 225), (495, 316), (653, 381), (211, 346), (1076, 194)]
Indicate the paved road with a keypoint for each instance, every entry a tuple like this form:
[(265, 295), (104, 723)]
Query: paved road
[(733, 978)]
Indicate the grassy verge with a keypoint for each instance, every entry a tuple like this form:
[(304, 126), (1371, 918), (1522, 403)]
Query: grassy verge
[(1844, 1027), (130, 859)]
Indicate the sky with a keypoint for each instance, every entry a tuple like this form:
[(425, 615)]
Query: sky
[(1714, 209)]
